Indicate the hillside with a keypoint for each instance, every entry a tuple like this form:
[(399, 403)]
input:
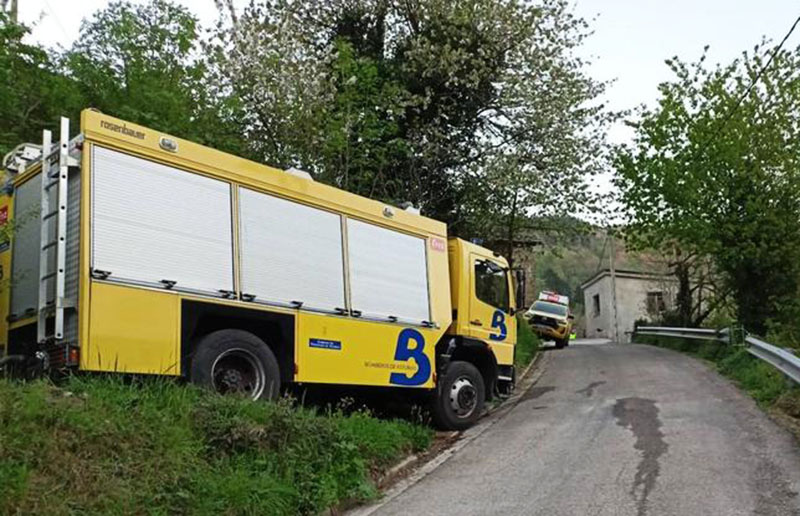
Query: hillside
[(562, 261)]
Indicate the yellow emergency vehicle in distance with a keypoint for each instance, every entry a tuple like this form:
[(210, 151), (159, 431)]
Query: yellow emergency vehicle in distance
[(139, 252), (550, 318)]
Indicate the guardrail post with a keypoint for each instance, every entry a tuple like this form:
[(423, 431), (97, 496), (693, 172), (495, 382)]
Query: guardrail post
[(738, 336)]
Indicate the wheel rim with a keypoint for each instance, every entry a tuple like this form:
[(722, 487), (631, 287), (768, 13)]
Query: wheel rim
[(463, 397), (238, 371)]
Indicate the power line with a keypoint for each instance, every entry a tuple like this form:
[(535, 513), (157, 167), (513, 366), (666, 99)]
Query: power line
[(55, 17), (752, 85), (764, 68)]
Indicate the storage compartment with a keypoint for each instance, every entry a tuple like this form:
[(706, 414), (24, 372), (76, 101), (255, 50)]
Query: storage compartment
[(133, 330), (290, 252), (152, 223), (388, 273)]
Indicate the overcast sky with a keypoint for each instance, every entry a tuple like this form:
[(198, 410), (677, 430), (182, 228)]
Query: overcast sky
[(631, 40)]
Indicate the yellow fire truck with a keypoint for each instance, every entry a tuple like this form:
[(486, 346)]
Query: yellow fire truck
[(138, 252)]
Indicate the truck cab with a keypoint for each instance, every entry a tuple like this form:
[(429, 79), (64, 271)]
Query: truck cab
[(482, 293)]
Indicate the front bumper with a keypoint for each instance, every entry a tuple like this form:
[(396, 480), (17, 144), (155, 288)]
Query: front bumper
[(548, 331)]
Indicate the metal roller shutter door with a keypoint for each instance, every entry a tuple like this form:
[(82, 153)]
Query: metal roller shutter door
[(290, 252), (152, 222), (388, 273)]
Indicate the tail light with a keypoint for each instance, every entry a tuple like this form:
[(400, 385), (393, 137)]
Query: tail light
[(74, 356)]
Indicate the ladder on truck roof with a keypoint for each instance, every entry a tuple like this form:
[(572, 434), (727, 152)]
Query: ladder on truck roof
[(53, 216)]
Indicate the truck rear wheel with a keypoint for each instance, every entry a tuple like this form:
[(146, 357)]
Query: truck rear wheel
[(236, 362), (459, 398)]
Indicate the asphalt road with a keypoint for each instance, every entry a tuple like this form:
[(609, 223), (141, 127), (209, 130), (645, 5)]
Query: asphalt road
[(619, 430)]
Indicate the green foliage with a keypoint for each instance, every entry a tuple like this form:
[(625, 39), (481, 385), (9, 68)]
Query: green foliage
[(478, 112), (362, 139), (137, 62), (140, 63), (33, 92), (719, 177), (527, 344), (110, 445), (566, 262), (761, 380)]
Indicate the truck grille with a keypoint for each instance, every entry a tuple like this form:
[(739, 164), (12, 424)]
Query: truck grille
[(544, 321)]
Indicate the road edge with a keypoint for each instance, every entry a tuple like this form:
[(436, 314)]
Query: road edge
[(528, 378)]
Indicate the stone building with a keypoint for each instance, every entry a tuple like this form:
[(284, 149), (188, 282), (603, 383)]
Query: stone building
[(639, 295)]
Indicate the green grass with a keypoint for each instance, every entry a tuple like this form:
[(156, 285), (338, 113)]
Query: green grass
[(527, 344), (764, 383), (103, 445)]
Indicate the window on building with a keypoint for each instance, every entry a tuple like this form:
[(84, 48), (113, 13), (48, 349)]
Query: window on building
[(655, 302), (596, 304)]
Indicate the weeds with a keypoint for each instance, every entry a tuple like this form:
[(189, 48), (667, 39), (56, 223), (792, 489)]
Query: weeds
[(107, 445), (527, 344)]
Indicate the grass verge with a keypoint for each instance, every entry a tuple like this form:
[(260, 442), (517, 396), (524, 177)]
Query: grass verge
[(768, 386), (527, 344), (106, 445)]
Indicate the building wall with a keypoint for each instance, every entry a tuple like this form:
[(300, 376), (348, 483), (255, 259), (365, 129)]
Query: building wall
[(632, 302), (598, 325), (631, 305)]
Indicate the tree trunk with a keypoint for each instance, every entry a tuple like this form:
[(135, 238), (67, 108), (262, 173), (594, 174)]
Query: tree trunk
[(684, 293), (510, 234)]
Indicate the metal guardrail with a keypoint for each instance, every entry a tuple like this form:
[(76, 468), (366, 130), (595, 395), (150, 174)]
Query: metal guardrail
[(686, 333), (781, 359)]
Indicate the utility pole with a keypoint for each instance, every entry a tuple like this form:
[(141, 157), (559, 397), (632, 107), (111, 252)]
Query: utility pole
[(611, 258), (13, 12)]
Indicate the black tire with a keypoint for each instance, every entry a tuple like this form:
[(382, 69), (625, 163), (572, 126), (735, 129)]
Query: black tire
[(560, 343), (236, 361), (462, 384)]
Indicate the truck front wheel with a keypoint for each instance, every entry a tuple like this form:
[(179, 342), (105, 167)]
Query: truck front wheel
[(236, 362), (459, 398)]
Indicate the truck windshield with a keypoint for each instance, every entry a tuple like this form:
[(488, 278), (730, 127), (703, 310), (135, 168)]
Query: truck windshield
[(491, 284), (550, 308)]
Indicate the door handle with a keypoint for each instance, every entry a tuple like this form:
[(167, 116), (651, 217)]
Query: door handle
[(476, 322)]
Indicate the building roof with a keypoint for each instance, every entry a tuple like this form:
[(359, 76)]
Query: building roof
[(622, 273)]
